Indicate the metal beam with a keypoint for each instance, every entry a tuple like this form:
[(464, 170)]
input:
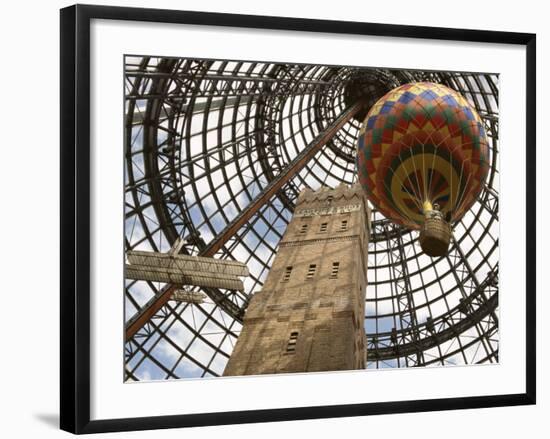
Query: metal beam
[(450, 331), (199, 107), (221, 77), (293, 168), (399, 276)]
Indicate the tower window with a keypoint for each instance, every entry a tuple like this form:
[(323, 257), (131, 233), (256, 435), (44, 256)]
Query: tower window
[(335, 268), (323, 227), (291, 345), (303, 229), (286, 276), (311, 271), (344, 226)]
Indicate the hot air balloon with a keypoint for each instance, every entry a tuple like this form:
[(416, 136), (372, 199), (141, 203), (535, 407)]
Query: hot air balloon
[(422, 158)]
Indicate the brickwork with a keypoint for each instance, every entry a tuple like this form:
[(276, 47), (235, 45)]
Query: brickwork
[(309, 315)]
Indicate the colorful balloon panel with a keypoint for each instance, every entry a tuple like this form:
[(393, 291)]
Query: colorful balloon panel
[(422, 142)]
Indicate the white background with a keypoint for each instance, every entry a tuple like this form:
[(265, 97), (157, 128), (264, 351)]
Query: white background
[(29, 188), (112, 398)]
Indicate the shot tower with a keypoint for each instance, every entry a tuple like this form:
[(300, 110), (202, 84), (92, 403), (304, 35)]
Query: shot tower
[(309, 316)]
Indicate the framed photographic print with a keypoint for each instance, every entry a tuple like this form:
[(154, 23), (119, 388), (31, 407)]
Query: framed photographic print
[(285, 218)]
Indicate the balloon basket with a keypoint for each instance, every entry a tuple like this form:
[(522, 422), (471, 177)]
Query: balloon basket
[(435, 235)]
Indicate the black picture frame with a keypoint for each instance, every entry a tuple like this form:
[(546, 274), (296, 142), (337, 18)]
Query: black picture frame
[(75, 217)]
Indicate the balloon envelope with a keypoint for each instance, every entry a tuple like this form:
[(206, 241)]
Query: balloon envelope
[(422, 144)]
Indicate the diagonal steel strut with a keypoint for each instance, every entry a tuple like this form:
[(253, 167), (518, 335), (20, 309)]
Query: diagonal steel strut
[(293, 168)]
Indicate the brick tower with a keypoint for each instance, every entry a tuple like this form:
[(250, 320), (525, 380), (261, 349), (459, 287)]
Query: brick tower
[(309, 316)]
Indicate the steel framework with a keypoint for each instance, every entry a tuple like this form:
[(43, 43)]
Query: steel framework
[(216, 153)]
